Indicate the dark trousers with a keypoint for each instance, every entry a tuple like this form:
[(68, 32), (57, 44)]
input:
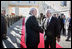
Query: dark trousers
[(32, 45), (51, 42), (1, 45), (69, 34), (64, 33), (63, 30)]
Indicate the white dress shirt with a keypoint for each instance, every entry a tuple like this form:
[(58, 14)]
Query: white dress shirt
[(45, 25)]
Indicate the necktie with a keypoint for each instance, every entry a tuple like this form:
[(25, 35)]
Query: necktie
[(47, 22)]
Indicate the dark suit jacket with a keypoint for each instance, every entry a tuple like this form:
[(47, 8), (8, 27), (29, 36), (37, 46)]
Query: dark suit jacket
[(62, 23), (53, 29), (3, 29), (32, 31), (3, 25), (69, 28)]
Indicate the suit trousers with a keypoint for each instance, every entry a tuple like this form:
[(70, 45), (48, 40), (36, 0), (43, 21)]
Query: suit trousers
[(50, 41), (1, 45), (32, 45)]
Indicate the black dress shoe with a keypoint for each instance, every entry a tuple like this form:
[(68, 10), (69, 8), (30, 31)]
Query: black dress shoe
[(4, 38), (67, 40)]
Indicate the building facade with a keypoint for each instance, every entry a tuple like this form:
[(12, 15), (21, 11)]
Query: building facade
[(21, 7)]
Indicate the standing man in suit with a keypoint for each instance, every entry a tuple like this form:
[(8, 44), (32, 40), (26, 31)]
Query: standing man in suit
[(69, 29), (3, 30), (32, 30), (4, 25), (63, 24), (51, 28)]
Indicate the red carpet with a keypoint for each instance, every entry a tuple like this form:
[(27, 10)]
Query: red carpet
[(23, 35), (41, 44)]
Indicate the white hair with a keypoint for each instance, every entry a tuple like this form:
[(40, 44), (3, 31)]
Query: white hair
[(49, 10), (32, 9)]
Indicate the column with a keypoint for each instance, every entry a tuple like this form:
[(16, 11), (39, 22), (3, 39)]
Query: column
[(17, 11)]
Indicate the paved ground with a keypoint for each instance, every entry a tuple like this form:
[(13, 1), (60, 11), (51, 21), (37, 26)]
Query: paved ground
[(63, 43), (14, 37)]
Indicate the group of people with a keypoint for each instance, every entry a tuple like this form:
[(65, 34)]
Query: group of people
[(6, 22), (69, 28), (3, 28), (50, 27), (65, 24), (11, 19)]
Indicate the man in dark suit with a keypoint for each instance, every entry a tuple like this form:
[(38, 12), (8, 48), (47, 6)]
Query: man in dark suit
[(51, 28), (41, 17), (3, 25), (69, 30), (3, 30), (32, 30), (62, 24), (59, 20)]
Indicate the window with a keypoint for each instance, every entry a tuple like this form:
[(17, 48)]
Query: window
[(13, 1), (19, 1), (13, 9), (34, 2), (29, 1), (47, 7), (64, 3)]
